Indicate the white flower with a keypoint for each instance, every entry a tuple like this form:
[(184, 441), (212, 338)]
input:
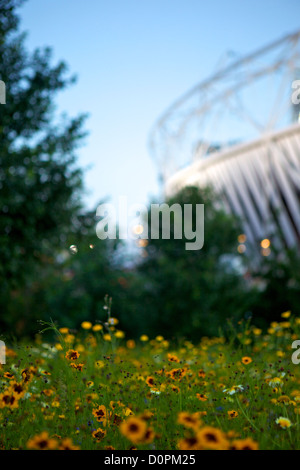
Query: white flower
[(234, 389)]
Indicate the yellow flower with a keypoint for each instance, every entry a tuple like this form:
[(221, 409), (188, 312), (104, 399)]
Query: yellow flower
[(257, 331), (173, 358), (150, 381), (42, 442), (67, 444), (86, 325), (72, 355), (98, 434), (99, 364), (189, 443), (100, 413), (134, 429), (212, 438), (9, 399), (97, 328), (119, 334), (246, 360), (64, 331), (144, 338), (284, 423), (107, 337), (286, 314), (159, 338), (232, 414), (77, 366), (188, 420), (8, 375), (244, 444), (69, 339), (201, 396)]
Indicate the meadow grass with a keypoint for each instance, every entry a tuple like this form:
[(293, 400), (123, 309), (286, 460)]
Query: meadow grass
[(95, 389)]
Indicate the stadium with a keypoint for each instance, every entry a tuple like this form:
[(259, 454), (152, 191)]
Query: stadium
[(239, 132)]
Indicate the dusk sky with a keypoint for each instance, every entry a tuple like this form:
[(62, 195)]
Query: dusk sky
[(133, 59)]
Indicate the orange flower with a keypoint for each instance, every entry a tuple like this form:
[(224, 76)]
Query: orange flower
[(246, 360), (42, 442), (72, 355)]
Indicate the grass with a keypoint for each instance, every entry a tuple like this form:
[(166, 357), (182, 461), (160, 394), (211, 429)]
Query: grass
[(93, 389)]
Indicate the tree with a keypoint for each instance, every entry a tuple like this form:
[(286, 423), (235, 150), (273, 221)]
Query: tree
[(40, 183), (279, 278), (181, 293)]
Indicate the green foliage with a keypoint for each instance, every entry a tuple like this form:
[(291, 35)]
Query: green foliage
[(279, 279), (39, 180), (190, 293)]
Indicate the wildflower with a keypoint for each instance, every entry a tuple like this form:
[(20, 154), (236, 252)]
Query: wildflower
[(144, 338), (283, 399), (246, 360), (177, 374), (64, 331), (150, 381), (244, 444), (201, 374), (173, 358), (276, 382), (119, 334), (42, 442), (8, 399), (286, 314), (107, 337), (130, 344), (146, 415), (189, 420), (212, 438), (100, 413), (67, 444), (232, 414), (72, 355), (234, 389), (18, 389), (134, 429), (8, 375), (77, 366), (127, 412), (257, 331), (97, 328), (189, 443), (99, 364), (284, 423), (201, 396), (69, 339), (98, 434), (86, 325), (113, 321)]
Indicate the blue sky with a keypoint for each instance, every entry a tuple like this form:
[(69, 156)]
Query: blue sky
[(133, 59)]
